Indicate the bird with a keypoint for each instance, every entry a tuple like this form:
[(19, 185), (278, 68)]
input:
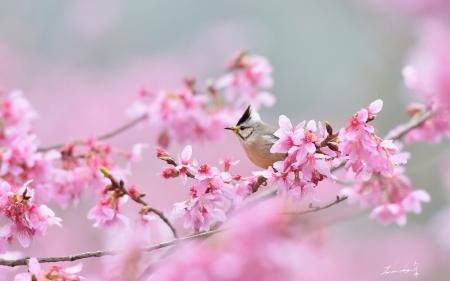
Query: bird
[(257, 138)]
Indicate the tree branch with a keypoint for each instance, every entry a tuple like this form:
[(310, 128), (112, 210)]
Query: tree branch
[(316, 209), (412, 124), (119, 185), (13, 263), (105, 136)]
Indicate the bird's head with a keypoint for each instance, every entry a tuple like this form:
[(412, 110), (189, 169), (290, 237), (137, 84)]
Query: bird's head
[(246, 124)]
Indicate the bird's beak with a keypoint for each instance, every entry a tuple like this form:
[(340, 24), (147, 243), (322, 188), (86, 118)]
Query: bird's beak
[(234, 128)]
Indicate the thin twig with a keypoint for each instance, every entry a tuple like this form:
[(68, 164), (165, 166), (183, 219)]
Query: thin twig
[(316, 209), (12, 263), (108, 135), (138, 199), (412, 124)]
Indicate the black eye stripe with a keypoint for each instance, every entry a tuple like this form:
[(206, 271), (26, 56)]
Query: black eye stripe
[(245, 138)]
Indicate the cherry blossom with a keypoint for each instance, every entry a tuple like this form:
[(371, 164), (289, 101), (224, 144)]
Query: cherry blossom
[(227, 162), (184, 166), (248, 75), (25, 219), (251, 249), (393, 197), (427, 74), (56, 272), (367, 153), (106, 214), (199, 114)]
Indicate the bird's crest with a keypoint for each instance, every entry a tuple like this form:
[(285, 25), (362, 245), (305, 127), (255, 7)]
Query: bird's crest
[(248, 115)]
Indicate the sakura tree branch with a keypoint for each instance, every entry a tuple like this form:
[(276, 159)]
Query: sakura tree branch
[(120, 186), (166, 157), (316, 209), (412, 124), (105, 136), (24, 261)]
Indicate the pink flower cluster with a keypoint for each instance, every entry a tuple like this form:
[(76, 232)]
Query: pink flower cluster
[(428, 74), (393, 197), (365, 152), (259, 244), (245, 84), (195, 114), (309, 158), (210, 191), (20, 159), (107, 212), (57, 175), (56, 273), (80, 169), (25, 219)]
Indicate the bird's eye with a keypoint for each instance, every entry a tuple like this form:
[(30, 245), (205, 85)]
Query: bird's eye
[(242, 127)]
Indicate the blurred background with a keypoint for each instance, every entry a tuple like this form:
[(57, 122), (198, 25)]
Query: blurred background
[(82, 63)]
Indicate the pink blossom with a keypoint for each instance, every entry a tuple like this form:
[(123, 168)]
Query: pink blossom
[(26, 219), (34, 271), (106, 215), (315, 166), (243, 85), (243, 189), (427, 73), (204, 171), (136, 152), (393, 197), (302, 190), (56, 272), (389, 212), (143, 226), (288, 137), (184, 163), (431, 131), (228, 163), (259, 244), (411, 203), (198, 212), (366, 152), (170, 172)]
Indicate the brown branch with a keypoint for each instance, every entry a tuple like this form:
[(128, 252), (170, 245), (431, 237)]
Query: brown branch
[(119, 185), (412, 124), (13, 263), (316, 209), (105, 136), (171, 161)]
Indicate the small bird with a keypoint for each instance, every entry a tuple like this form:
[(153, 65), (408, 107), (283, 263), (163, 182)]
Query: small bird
[(256, 137)]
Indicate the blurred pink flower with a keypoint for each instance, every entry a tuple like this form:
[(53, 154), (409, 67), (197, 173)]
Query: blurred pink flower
[(249, 75), (106, 214), (416, 8), (392, 197), (56, 272), (265, 248), (228, 163)]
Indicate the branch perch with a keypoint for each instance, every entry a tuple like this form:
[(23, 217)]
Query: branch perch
[(138, 199), (24, 261), (316, 209), (105, 136)]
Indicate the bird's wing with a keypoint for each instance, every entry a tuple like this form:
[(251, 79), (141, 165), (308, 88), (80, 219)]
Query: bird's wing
[(271, 138)]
